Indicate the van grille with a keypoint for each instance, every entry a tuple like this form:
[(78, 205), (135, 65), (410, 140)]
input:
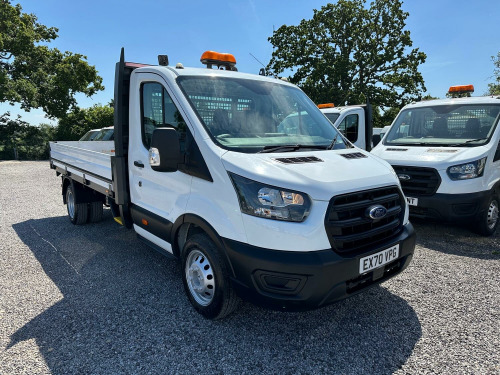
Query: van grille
[(350, 229), (422, 181)]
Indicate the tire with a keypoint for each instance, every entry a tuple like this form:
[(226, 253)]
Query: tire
[(488, 220), (95, 212), (77, 212), (206, 278)]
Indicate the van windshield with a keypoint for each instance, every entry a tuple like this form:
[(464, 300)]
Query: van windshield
[(253, 116), (467, 125)]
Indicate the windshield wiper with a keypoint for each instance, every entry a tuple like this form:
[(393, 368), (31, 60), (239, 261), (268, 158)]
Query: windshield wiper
[(290, 148), (334, 142), (332, 145), (467, 142)]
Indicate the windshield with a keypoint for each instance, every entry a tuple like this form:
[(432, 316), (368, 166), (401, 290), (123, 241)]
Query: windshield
[(250, 116), (104, 135), (90, 135), (445, 125)]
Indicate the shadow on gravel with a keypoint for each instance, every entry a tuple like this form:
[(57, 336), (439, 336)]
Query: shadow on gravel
[(124, 311), (457, 240)]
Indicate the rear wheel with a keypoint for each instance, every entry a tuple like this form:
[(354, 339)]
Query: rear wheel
[(95, 212), (206, 278), (77, 212), (488, 221)]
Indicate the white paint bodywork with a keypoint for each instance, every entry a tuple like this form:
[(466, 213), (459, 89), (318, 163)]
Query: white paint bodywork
[(171, 195), (443, 157)]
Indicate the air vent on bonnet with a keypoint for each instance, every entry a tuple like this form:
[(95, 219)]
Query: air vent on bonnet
[(299, 160), (440, 150), (354, 155)]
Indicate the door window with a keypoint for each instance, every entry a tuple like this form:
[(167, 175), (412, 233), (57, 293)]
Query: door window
[(159, 111), (349, 127)]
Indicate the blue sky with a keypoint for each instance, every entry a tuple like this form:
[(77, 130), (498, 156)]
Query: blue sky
[(458, 36)]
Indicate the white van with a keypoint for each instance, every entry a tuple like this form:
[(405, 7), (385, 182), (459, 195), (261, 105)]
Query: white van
[(244, 180), (447, 157)]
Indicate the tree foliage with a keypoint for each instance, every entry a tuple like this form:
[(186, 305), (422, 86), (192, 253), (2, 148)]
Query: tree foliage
[(35, 75), (75, 124), (385, 117), (19, 140), (494, 88), (348, 51)]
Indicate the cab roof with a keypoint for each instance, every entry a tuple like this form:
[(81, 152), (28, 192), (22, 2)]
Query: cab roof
[(454, 101), (185, 72)]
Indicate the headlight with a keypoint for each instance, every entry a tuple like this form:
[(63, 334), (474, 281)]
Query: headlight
[(269, 201), (466, 171)]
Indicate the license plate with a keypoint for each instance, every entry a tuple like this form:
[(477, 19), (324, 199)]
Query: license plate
[(412, 201), (378, 259)]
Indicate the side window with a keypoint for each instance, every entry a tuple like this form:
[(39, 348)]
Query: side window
[(159, 111), (349, 127)]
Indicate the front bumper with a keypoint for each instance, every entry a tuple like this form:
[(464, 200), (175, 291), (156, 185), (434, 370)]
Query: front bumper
[(451, 207), (296, 280)]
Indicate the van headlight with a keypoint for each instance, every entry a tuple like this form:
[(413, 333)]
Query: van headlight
[(270, 202), (466, 171)]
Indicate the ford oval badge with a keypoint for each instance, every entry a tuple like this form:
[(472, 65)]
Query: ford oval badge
[(376, 212), (404, 177)]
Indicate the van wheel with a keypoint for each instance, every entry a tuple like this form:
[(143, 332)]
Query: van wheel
[(488, 221), (95, 211), (77, 212), (206, 278)]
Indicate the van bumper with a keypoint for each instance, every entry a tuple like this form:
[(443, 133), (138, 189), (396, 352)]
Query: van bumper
[(296, 281), (456, 208)]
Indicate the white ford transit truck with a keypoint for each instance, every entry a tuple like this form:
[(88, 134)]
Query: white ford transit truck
[(446, 154), (221, 170)]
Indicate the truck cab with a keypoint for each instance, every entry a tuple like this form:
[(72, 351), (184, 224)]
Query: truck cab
[(446, 155), (244, 180), (354, 122)]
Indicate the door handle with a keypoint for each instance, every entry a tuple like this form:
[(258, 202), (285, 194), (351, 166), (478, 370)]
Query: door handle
[(139, 164)]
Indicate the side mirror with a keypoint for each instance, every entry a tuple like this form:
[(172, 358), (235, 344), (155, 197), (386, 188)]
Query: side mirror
[(165, 150)]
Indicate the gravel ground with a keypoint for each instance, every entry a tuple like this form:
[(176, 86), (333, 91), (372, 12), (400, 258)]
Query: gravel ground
[(95, 300)]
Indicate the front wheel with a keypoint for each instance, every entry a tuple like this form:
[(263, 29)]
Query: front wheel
[(488, 221), (206, 278)]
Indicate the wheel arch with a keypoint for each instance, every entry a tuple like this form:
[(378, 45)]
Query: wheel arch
[(82, 194), (189, 224), (496, 188), (66, 181)]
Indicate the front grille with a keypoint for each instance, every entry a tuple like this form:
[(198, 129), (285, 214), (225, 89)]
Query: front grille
[(422, 181), (350, 229)]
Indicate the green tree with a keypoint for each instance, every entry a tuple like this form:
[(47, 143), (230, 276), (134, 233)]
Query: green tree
[(19, 140), (73, 125), (35, 75), (494, 88), (347, 50), (385, 118), (429, 97)]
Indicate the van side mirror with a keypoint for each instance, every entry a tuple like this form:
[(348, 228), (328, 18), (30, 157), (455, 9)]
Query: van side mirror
[(165, 150)]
